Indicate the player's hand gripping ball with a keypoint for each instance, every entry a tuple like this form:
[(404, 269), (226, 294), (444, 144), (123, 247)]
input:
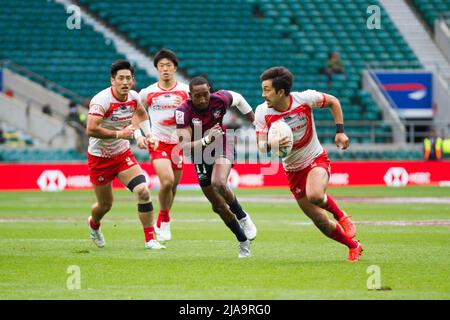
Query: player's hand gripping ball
[(280, 138)]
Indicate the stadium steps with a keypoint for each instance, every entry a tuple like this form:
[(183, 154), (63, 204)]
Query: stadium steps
[(232, 53), (431, 9), (416, 36), (78, 60), (124, 45)]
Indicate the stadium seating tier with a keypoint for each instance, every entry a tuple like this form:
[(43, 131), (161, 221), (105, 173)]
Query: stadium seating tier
[(35, 36), (228, 42)]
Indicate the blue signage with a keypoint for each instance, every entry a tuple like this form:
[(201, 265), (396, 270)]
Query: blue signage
[(410, 93)]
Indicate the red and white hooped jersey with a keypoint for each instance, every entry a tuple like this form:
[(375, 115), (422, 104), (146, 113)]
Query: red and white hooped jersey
[(116, 116), (161, 109), (300, 118)]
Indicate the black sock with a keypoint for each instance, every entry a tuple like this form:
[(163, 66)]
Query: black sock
[(236, 208), (237, 230)]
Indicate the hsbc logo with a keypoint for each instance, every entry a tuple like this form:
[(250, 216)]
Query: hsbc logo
[(396, 177), (52, 180)]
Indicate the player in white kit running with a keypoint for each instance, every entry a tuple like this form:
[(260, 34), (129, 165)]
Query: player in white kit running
[(307, 165), (161, 99), (109, 155)]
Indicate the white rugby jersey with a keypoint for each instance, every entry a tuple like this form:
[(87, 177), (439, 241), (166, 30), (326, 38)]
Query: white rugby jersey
[(161, 109), (116, 116), (300, 118)]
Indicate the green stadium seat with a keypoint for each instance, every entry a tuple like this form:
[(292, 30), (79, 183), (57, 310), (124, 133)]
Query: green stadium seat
[(46, 46), (233, 53), (431, 9)]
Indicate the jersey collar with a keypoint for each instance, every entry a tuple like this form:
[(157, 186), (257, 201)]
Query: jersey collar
[(112, 92), (170, 89)]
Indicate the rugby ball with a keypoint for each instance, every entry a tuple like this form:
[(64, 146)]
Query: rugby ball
[(277, 131)]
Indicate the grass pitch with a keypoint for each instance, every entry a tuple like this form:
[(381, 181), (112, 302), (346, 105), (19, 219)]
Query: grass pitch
[(43, 234)]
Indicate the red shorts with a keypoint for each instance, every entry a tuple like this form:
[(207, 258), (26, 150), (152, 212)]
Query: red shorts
[(168, 151), (103, 170), (297, 179)]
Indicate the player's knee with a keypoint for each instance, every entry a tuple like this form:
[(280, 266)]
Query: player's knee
[(316, 198), (219, 185), (225, 214), (216, 209), (167, 184), (219, 208), (142, 192), (104, 206)]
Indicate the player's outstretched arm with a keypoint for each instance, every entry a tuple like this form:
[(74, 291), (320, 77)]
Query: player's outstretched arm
[(341, 140), (95, 130), (243, 106)]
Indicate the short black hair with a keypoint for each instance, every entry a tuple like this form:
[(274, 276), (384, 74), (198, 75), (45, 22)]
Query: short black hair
[(197, 81), (121, 65), (165, 54), (281, 78)]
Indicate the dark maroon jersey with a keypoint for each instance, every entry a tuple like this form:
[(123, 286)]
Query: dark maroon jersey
[(187, 115), (200, 121)]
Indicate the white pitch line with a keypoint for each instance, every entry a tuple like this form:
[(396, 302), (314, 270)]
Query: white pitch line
[(277, 199), (213, 220), (284, 199), (402, 200)]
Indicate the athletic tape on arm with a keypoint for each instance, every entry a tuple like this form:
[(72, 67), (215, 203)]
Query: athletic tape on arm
[(145, 126), (240, 102)]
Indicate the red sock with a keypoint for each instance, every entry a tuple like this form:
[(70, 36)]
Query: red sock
[(340, 236), (94, 226), (163, 216), (149, 233), (332, 207)]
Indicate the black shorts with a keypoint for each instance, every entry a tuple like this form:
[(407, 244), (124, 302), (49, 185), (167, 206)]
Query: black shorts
[(204, 173), (204, 170)]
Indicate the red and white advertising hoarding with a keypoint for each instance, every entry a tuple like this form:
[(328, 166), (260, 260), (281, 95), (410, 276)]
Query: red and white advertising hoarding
[(58, 177)]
